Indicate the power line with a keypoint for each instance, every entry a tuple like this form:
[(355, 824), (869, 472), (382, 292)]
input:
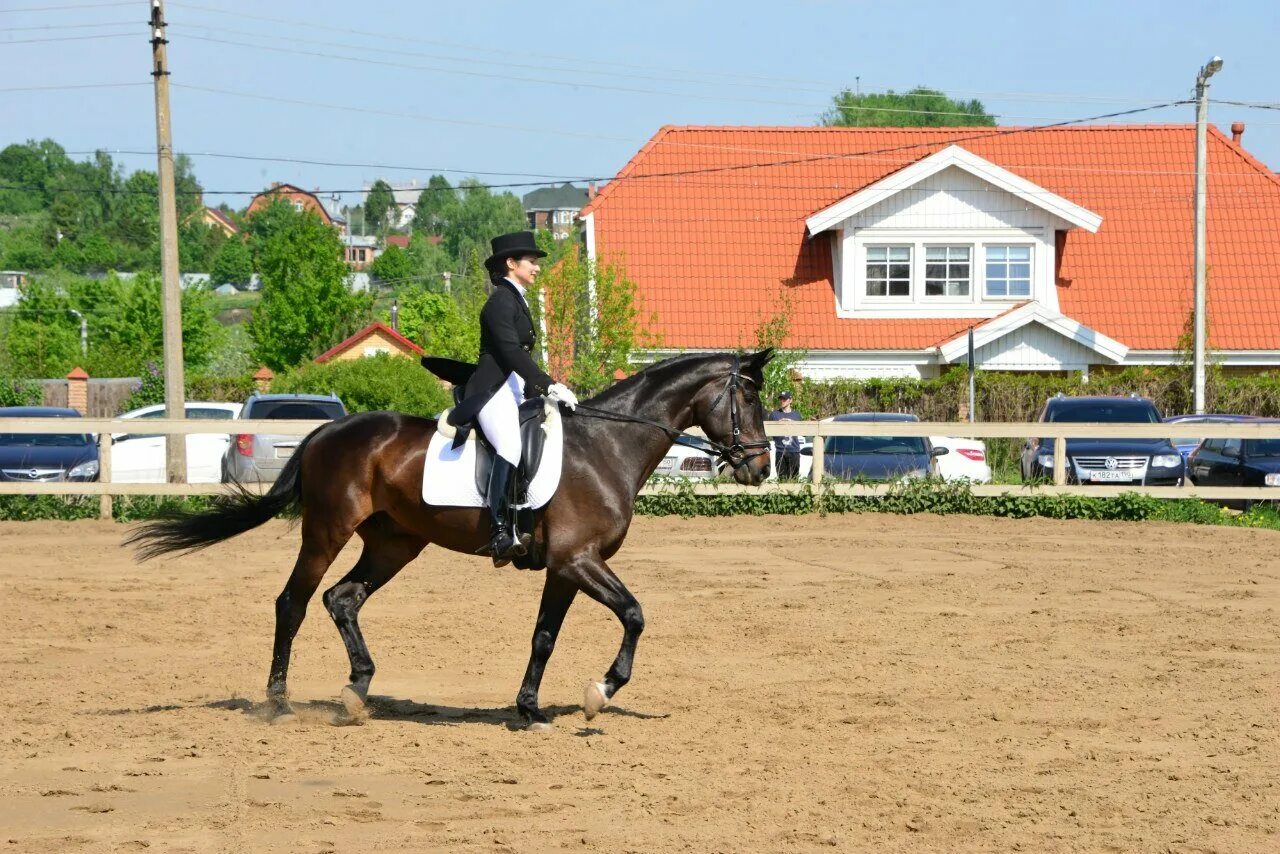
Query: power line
[(75, 6), (1256, 105), (69, 38), (73, 86), (73, 26)]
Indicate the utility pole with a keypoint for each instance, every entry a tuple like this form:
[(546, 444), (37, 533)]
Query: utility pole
[(1202, 109), (171, 294)]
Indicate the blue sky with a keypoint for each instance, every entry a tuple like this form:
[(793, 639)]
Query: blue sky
[(574, 89)]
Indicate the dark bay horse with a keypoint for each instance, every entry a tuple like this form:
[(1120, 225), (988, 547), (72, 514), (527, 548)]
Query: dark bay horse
[(363, 475)]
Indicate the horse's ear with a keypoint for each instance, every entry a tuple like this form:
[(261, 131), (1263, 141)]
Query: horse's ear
[(757, 361)]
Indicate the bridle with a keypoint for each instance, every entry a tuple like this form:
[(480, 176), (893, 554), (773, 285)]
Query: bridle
[(736, 454)]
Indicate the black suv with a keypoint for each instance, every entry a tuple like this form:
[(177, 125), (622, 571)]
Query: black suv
[(47, 457), (1142, 462)]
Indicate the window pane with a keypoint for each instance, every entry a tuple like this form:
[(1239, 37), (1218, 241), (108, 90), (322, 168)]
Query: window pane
[(997, 253), (960, 271), (877, 253), (935, 253), (900, 289), (900, 271), (900, 253), (875, 289), (1019, 288), (997, 288), (995, 271), (933, 289), (1020, 271), (958, 288), (1019, 253), (935, 271)]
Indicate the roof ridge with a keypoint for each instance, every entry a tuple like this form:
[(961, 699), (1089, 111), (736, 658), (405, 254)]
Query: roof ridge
[(630, 166)]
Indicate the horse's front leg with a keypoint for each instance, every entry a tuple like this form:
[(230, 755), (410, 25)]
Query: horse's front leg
[(557, 596), (592, 576)]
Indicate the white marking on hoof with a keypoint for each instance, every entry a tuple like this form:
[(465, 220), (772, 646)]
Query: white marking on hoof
[(597, 697), (540, 727)]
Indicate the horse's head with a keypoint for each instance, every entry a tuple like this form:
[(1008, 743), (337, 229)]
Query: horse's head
[(730, 411)]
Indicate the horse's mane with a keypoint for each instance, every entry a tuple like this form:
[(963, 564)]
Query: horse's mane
[(657, 372)]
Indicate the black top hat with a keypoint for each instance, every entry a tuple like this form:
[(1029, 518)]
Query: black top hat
[(517, 244)]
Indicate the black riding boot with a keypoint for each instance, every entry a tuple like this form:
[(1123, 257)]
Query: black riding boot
[(503, 544)]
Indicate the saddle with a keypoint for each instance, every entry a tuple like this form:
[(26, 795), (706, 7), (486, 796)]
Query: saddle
[(532, 414)]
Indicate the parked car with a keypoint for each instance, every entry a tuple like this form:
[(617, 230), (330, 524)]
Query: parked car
[(47, 457), (966, 459), (1186, 445), (878, 457), (260, 457), (1149, 462), (686, 462), (1236, 462), (140, 457)]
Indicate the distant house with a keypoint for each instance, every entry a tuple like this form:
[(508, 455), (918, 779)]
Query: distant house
[(301, 200), (401, 240), (556, 208), (374, 339), (194, 280), (359, 250), (216, 219), (406, 198), (10, 282)]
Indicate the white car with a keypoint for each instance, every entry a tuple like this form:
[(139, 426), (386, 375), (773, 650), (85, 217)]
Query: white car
[(686, 462), (140, 457), (966, 459)]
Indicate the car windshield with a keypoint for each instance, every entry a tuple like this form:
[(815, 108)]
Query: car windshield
[(303, 410), (49, 440), (875, 445), (1262, 447), (1104, 413)]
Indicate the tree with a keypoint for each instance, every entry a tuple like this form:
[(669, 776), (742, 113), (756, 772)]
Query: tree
[(393, 266), (435, 204), (267, 222), (480, 216), (232, 265), (444, 325), (918, 107), (379, 206), (306, 305), (589, 339)]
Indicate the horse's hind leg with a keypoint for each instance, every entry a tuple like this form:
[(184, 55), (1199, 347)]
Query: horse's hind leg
[(387, 549), (321, 543)]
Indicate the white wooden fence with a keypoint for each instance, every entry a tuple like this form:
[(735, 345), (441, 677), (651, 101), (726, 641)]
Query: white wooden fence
[(105, 488)]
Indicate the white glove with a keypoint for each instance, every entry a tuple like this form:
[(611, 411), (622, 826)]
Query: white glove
[(561, 393)]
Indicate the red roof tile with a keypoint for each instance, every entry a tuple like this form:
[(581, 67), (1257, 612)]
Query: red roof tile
[(713, 238)]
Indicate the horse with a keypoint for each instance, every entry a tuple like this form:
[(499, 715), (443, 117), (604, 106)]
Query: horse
[(362, 475)]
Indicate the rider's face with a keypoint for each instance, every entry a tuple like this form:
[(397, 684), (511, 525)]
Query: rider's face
[(524, 270)]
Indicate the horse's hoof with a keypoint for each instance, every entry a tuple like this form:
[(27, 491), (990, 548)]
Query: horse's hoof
[(352, 700), (540, 727), (597, 697)]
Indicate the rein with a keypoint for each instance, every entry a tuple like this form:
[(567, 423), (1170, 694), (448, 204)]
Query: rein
[(735, 454)]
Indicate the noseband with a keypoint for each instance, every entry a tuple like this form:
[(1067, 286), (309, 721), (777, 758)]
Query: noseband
[(736, 454)]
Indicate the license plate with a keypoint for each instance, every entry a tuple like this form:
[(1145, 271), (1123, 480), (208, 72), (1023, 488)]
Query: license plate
[(283, 453), (1108, 476)]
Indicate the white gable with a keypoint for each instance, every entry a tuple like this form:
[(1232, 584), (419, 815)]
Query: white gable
[(1034, 338), (953, 156), (952, 199)]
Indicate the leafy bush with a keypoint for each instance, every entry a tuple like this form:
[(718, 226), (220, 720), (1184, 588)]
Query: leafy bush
[(20, 393), (369, 384)]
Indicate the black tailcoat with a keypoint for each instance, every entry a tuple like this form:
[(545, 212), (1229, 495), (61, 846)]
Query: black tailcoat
[(507, 337)]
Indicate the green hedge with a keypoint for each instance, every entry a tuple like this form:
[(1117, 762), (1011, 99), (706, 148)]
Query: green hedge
[(370, 384), (915, 497)]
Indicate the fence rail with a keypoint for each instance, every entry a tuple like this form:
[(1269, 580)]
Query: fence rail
[(106, 429)]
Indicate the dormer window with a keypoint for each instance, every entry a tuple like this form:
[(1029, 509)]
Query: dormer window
[(889, 271), (1008, 271), (946, 271)]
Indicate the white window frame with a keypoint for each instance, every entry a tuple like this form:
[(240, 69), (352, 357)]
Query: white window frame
[(924, 273), (888, 263), (849, 259), (1031, 263)]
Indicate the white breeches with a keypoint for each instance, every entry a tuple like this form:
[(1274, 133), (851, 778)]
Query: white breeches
[(500, 419)]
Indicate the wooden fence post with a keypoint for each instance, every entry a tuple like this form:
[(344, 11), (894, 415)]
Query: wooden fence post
[(1059, 461), (819, 445), (104, 474)]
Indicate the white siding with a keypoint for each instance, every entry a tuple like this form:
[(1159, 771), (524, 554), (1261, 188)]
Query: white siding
[(1034, 348), (953, 198)]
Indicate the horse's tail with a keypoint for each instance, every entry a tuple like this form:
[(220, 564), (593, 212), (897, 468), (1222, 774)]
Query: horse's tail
[(232, 513)]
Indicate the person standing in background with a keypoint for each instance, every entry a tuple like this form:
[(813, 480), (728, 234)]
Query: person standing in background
[(786, 448)]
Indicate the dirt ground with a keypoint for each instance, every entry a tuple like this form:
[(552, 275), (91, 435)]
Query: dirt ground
[(864, 682)]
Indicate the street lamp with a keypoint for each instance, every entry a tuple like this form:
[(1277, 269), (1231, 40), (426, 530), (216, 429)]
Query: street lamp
[(1202, 109)]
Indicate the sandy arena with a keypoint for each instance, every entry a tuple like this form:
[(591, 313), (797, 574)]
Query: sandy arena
[(860, 683)]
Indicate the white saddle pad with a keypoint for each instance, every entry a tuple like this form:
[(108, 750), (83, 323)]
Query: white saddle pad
[(449, 477)]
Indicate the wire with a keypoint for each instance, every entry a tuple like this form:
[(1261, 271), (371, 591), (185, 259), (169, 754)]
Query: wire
[(69, 38), (75, 6), (73, 26), (73, 86), (1256, 105)]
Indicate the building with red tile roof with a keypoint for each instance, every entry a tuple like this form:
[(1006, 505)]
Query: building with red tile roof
[(374, 339), (1064, 248)]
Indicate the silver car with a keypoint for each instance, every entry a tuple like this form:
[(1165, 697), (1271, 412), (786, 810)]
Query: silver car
[(260, 456)]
